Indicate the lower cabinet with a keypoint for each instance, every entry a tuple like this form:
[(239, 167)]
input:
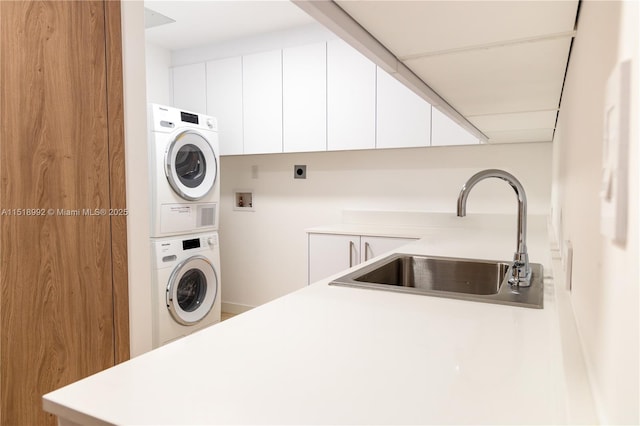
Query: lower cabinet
[(332, 253)]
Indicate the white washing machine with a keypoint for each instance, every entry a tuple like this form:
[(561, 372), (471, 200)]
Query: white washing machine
[(186, 285), (185, 184)]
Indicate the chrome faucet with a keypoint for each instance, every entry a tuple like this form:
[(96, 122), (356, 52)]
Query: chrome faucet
[(520, 271)]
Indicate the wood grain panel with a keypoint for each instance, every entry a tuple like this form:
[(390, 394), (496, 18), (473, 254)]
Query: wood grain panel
[(56, 285), (118, 201)]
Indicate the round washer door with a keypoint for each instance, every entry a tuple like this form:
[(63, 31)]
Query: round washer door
[(192, 290), (191, 166)]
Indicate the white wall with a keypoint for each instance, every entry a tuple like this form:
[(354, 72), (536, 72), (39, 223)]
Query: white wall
[(135, 125), (306, 34), (264, 253), (158, 64), (605, 295)]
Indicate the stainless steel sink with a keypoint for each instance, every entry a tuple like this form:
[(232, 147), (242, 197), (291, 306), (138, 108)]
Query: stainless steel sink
[(468, 279)]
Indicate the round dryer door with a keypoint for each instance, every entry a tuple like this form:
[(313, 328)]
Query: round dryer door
[(192, 290), (191, 166)]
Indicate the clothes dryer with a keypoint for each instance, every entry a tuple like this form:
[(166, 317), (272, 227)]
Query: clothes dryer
[(184, 172), (186, 285)]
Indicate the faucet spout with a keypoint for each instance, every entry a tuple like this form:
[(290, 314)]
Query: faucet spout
[(522, 274)]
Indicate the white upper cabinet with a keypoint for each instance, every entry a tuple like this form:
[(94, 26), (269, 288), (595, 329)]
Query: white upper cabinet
[(351, 98), (224, 101), (445, 131), (189, 87), (403, 118), (262, 102), (304, 98), (315, 97)]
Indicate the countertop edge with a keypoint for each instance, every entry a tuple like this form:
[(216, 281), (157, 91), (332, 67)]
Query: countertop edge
[(68, 416)]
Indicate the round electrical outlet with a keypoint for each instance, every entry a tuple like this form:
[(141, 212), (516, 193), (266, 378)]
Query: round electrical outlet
[(300, 172)]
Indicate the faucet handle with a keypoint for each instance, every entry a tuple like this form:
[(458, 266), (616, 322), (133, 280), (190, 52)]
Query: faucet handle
[(520, 274), (514, 270)]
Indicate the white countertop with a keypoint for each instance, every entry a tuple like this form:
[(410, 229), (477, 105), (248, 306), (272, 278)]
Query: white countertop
[(336, 355)]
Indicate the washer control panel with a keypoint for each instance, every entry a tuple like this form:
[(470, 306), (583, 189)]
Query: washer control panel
[(168, 251)]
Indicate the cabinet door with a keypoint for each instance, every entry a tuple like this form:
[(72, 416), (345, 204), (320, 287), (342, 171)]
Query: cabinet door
[(189, 87), (351, 98), (445, 131), (330, 254), (304, 98), (403, 118), (371, 247), (224, 101), (262, 102)]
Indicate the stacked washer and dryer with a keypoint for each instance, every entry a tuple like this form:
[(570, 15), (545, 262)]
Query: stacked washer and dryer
[(185, 196)]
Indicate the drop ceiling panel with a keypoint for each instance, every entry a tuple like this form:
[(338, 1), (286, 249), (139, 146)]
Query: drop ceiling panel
[(516, 121), (520, 136), (513, 78), (410, 28)]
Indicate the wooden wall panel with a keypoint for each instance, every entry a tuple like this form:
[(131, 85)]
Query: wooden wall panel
[(118, 201), (57, 264)]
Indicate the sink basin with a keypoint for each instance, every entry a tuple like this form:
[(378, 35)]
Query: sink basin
[(468, 279), (431, 273)]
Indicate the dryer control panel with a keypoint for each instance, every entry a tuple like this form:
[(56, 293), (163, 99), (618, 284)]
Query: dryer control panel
[(166, 119)]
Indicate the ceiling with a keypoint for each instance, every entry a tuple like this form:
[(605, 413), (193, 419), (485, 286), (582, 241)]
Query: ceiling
[(199, 23), (501, 64), (498, 64)]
